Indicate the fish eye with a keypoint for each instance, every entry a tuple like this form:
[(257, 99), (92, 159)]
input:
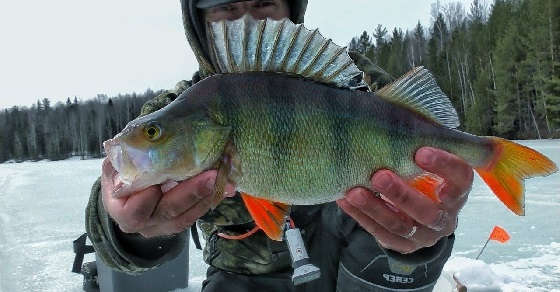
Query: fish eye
[(152, 132)]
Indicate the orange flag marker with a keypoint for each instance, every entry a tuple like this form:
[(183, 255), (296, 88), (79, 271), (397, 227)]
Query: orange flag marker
[(498, 234)]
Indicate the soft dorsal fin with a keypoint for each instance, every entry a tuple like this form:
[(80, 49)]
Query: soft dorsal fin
[(419, 91), (249, 45)]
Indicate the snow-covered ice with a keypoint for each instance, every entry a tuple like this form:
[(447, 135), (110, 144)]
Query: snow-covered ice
[(42, 212), (42, 207), (530, 261)]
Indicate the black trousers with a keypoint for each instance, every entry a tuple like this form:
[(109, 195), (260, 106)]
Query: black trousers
[(350, 260)]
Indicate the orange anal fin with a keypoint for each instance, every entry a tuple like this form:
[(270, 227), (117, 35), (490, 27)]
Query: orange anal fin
[(510, 165), (428, 184), (269, 216)]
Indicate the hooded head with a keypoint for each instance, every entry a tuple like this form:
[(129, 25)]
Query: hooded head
[(193, 21)]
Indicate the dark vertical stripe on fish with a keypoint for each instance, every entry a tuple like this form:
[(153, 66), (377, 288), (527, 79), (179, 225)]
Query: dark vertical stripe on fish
[(395, 141), (340, 137), (282, 129)]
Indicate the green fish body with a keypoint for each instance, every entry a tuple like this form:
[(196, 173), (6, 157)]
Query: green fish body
[(300, 142)]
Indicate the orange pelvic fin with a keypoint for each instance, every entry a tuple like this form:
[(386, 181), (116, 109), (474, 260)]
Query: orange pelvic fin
[(269, 216), (428, 184), (511, 164)]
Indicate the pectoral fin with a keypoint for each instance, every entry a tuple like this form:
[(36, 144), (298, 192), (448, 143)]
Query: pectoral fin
[(269, 216), (228, 172), (209, 141), (220, 184)]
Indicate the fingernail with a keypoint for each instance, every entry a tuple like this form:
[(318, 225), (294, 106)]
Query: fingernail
[(441, 222), (357, 198), (168, 186), (229, 191), (392, 208), (382, 181), (209, 186), (426, 156), (116, 178), (444, 198)]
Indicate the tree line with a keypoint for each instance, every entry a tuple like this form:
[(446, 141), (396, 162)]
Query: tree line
[(499, 63), (74, 128)]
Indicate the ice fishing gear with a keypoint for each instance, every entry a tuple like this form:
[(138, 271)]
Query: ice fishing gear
[(89, 269), (80, 249), (498, 234), (304, 270), (100, 277)]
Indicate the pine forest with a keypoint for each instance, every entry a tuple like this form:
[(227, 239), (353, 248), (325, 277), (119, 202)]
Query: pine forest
[(499, 63)]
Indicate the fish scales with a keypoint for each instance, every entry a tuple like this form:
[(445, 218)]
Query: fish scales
[(301, 142)]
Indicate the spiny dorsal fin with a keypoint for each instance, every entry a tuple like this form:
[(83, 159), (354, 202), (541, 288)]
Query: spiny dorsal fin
[(248, 45), (419, 91)]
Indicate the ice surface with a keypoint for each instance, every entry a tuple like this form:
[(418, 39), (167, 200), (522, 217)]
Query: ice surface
[(42, 208), (530, 261), (42, 212), (528, 274)]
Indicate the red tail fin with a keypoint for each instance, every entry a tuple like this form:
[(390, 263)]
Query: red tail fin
[(511, 164)]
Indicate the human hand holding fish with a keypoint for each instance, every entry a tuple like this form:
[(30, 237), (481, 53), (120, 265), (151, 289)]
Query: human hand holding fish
[(411, 220), (161, 209)]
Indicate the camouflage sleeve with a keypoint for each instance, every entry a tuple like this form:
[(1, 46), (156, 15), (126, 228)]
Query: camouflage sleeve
[(165, 98), (131, 253), (374, 76)]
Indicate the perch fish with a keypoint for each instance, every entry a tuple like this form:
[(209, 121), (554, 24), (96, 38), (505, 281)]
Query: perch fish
[(283, 121)]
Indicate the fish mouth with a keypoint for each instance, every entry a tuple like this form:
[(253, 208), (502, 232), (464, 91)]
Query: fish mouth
[(132, 164), (126, 176), (114, 152), (121, 160)]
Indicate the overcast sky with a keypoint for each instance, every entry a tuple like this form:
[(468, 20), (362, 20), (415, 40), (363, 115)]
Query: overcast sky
[(66, 48)]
